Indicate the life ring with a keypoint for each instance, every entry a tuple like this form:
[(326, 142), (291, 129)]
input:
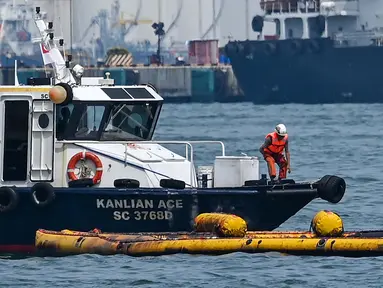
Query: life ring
[(85, 155)]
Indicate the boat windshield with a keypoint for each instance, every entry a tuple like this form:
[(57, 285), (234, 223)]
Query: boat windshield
[(98, 121)]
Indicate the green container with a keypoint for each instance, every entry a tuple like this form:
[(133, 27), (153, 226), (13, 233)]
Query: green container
[(23, 75), (118, 74), (202, 84)]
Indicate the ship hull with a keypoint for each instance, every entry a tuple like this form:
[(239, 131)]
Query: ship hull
[(143, 210), (22, 61), (309, 71)]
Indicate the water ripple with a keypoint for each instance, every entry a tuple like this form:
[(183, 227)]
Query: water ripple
[(325, 139)]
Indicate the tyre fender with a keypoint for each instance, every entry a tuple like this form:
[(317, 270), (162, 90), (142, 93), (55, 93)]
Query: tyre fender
[(8, 199), (296, 47), (43, 194), (331, 188), (172, 183), (81, 183), (126, 183), (270, 48)]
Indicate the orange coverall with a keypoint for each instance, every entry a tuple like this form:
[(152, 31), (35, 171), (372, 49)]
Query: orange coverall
[(273, 154)]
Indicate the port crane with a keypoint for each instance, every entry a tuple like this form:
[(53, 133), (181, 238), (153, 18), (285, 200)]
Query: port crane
[(113, 28)]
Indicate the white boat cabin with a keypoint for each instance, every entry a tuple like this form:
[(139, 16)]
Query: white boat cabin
[(71, 128), (348, 22)]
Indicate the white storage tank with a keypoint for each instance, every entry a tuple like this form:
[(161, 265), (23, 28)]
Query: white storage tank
[(205, 176), (233, 171)]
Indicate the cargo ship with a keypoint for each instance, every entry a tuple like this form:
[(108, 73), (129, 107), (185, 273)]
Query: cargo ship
[(321, 52)]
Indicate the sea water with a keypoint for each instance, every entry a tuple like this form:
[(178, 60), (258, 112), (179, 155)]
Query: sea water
[(345, 140)]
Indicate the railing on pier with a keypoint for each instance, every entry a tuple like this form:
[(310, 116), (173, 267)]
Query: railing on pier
[(189, 156), (370, 35), (289, 6)]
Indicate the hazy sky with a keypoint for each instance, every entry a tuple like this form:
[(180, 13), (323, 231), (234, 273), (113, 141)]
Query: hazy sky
[(194, 19)]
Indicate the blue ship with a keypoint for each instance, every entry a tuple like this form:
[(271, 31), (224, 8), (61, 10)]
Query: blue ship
[(321, 52)]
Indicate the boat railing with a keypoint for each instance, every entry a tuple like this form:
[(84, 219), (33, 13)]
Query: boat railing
[(361, 38), (189, 156), (290, 6)]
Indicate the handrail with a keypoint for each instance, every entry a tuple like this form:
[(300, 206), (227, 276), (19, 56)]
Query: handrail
[(186, 143)]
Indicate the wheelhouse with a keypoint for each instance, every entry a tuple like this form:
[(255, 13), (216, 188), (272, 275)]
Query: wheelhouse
[(33, 125), (109, 114), (107, 121)]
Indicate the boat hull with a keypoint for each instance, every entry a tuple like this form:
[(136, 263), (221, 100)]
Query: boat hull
[(309, 71), (143, 210)]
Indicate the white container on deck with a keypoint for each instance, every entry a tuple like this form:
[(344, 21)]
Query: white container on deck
[(205, 176), (233, 171)]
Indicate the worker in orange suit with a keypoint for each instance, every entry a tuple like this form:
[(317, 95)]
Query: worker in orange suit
[(272, 151)]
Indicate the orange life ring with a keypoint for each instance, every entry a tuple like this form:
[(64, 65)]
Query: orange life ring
[(85, 155)]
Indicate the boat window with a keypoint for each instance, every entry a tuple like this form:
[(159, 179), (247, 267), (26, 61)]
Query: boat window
[(15, 141), (117, 121), (130, 122), (79, 121)]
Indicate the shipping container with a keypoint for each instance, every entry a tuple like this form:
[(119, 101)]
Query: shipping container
[(203, 52), (271, 37)]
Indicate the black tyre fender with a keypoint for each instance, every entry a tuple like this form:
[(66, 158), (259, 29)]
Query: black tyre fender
[(229, 48), (270, 48), (257, 23), (314, 46), (320, 24), (296, 47), (81, 183), (247, 48), (172, 183), (43, 194), (240, 49), (8, 199), (287, 181), (249, 183), (126, 183), (331, 188)]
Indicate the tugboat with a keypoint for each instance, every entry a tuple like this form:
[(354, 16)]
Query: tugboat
[(322, 52), (77, 153)]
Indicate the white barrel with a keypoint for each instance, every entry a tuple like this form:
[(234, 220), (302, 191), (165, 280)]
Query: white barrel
[(233, 171)]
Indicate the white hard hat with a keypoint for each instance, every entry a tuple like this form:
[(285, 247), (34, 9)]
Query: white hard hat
[(281, 129)]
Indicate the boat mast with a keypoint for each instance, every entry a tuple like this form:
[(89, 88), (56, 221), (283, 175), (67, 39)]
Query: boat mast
[(71, 25)]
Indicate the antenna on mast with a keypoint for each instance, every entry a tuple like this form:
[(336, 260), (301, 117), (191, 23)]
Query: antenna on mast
[(52, 55), (61, 41)]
